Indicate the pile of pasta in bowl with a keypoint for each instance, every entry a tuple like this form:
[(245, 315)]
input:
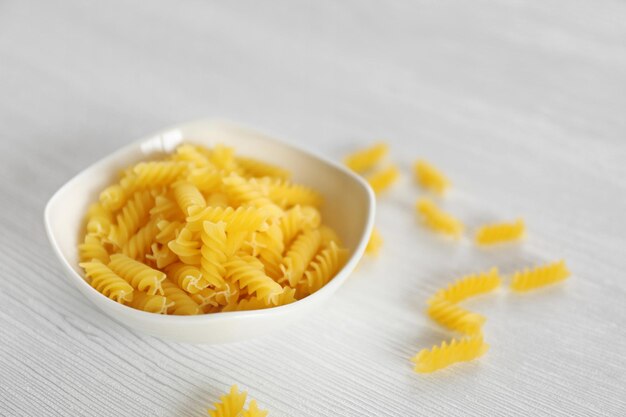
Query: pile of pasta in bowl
[(204, 231)]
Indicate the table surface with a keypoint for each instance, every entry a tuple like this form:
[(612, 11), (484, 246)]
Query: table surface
[(522, 105)]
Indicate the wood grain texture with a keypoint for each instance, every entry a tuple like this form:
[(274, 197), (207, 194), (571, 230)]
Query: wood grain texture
[(521, 104)]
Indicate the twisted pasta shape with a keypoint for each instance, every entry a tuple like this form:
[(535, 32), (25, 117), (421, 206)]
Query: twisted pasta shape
[(383, 179), (288, 195), (255, 168), (188, 195), (115, 196), (156, 174), (168, 230), (133, 214), (213, 251), (453, 317), (151, 303), (323, 268), (223, 157), (365, 159), (139, 244), (470, 286), (206, 299), (230, 405), (502, 232), (243, 192), (269, 248), (165, 209), (253, 411), (161, 255), (107, 282), (299, 255), (288, 296), (99, 220), (437, 220), (140, 276), (207, 179), (430, 177), (187, 277), (297, 219), (191, 154), (182, 304), (247, 273), (438, 357), (91, 249), (186, 246), (529, 279), (328, 235), (243, 218)]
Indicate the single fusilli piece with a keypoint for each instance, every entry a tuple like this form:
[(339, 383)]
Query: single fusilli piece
[(158, 173), (186, 246), (140, 276), (322, 269), (500, 233), (133, 215), (287, 195), (243, 218), (430, 177), (213, 253), (188, 277), (288, 296), (192, 154), (92, 248), (207, 179), (383, 179), (230, 405), (529, 279), (438, 357), (470, 286), (453, 317), (366, 159), (298, 219), (299, 255), (151, 303), (187, 195), (438, 220), (182, 303), (247, 273), (108, 282), (99, 220), (140, 243), (269, 247)]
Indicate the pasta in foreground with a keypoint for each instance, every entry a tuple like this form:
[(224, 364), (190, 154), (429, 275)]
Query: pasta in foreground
[(202, 231)]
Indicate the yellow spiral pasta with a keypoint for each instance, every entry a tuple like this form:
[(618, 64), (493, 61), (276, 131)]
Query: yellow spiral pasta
[(107, 282), (500, 232), (187, 195), (453, 317), (323, 268), (299, 255), (438, 220), (140, 243), (230, 405), (202, 230), (92, 248), (182, 303), (247, 273), (213, 251), (430, 177), (530, 279), (470, 286), (188, 277), (156, 174), (133, 215), (137, 274), (366, 159), (151, 303), (458, 350), (253, 411), (383, 179)]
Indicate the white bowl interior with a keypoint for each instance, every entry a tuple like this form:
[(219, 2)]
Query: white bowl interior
[(348, 207)]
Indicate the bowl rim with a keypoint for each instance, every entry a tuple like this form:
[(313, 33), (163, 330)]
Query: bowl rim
[(122, 309)]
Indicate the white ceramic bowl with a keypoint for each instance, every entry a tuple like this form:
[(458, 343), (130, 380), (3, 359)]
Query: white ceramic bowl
[(349, 206)]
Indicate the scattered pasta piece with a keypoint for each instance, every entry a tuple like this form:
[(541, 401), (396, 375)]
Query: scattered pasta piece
[(374, 244), (458, 350), (529, 279), (233, 403), (501, 232), (366, 159), (453, 317), (383, 179), (430, 177), (438, 220), (204, 231), (470, 286)]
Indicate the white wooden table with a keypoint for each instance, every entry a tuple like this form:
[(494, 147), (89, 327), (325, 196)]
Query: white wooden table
[(522, 105)]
